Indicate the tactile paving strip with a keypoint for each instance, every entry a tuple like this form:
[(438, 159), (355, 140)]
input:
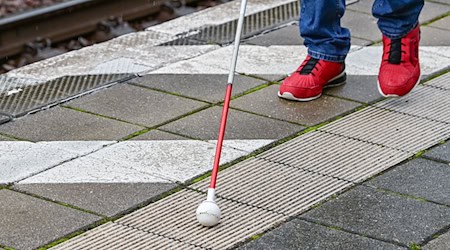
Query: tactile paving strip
[(118, 237), (174, 217), (426, 102), (274, 186), (25, 99), (392, 129), (335, 156), (441, 81)]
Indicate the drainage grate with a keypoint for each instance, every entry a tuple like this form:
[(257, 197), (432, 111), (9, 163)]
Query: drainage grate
[(19, 99), (426, 102), (174, 217), (335, 156), (274, 186), (391, 129), (441, 82), (116, 236)]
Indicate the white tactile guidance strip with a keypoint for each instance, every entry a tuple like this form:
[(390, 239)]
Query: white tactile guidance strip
[(392, 129), (335, 156), (441, 82), (274, 186)]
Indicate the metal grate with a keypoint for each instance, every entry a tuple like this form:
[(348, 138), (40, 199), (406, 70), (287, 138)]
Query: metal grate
[(118, 237), (174, 217), (441, 82), (392, 129), (336, 156), (17, 99), (426, 102), (273, 186)]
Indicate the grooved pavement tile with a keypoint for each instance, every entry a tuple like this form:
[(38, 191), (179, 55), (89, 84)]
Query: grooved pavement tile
[(209, 88), (299, 234), (108, 199), (382, 215), (266, 102), (289, 35), (174, 217), (441, 152), (424, 101), (430, 36), (420, 178), (155, 134), (359, 88), (273, 186), (136, 104), (441, 243), (119, 237), (240, 125), (391, 129), (62, 124), (440, 82), (28, 222), (335, 156)]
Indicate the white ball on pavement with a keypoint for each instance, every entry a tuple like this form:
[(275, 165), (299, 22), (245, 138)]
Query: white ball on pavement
[(208, 213)]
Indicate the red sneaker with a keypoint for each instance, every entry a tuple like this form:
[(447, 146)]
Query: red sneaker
[(311, 77), (400, 69)]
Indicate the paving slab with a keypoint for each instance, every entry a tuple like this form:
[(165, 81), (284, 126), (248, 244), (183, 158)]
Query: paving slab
[(359, 88), (432, 10), (441, 243), (4, 138), (431, 36), (443, 23), (210, 88), (442, 82), (266, 102), (28, 222), (419, 178), (136, 104), (107, 199), (155, 134), (362, 6), (289, 35), (441, 152), (382, 215), (240, 125), (361, 25), (299, 234), (62, 124)]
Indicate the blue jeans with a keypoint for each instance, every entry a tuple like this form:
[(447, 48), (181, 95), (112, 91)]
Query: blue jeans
[(320, 24)]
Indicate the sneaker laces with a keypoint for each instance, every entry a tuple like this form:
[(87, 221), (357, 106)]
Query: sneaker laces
[(309, 66), (396, 51)]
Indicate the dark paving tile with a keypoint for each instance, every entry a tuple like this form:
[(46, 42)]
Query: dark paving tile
[(420, 178), (103, 198), (443, 23), (441, 152), (432, 10), (137, 105), (240, 125), (62, 124), (209, 88), (154, 135), (434, 37), (299, 234), (359, 88), (441, 243), (4, 118), (266, 102), (383, 216), (289, 35), (361, 25), (27, 222)]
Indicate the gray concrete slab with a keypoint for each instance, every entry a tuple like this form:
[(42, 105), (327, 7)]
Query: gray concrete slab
[(443, 23), (419, 178), (383, 216), (266, 102), (362, 6), (28, 222), (361, 25), (359, 88), (62, 124), (157, 135), (289, 35), (136, 104), (432, 10), (441, 243), (209, 88), (361, 42), (108, 199), (4, 118), (299, 234), (441, 152), (240, 125), (434, 37)]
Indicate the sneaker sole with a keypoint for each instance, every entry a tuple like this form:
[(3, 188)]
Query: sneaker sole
[(396, 96), (339, 80)]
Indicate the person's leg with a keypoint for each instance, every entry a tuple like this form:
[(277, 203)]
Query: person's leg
[(328, 44), (400, 68)]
